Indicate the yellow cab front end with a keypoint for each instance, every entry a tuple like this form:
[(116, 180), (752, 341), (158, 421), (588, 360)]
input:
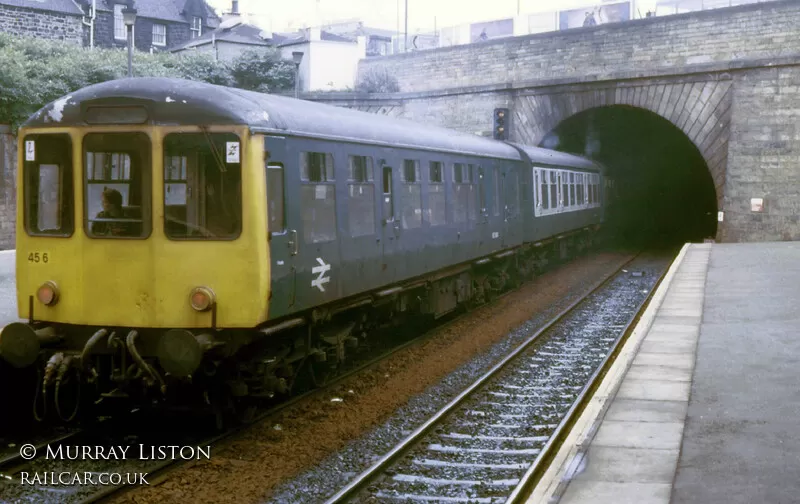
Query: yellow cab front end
[(127, 265), (137, 244)]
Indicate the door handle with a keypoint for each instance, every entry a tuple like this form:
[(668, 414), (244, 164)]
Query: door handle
[(293, 245)]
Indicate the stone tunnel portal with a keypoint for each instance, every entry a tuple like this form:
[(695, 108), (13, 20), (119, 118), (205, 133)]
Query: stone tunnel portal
[(664, 193)]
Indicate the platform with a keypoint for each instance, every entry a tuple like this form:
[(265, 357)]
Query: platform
[(8, 287), (702, 404)]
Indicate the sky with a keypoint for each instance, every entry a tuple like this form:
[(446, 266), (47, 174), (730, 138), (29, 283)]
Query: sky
[(423, 15)]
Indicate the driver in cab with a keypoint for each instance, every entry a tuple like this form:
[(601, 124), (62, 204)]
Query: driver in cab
[(112, 209)]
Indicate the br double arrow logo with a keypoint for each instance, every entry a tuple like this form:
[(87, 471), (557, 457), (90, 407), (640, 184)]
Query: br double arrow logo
[(320, 271)]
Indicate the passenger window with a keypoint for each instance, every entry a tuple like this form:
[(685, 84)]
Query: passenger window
[(361, 201), (553, 188), (276, 210), (318, 197), (48, 185), (117, 185), (411, 197), (437, 213), (202, 186), (572, 200), (316, 167)]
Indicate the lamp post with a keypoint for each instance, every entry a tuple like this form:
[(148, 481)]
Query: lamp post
[(129, 19), (297, 57)]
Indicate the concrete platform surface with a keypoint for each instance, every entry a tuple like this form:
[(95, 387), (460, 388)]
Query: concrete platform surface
[(703, 406), (741, 441), (8, 287)]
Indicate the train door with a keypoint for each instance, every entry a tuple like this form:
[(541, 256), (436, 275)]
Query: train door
[(282, 217), (511, 216), (485, 242), (496, 211), (318, 264), (389, 223)]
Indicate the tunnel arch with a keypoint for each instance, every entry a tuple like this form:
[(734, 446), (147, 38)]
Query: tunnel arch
[(665, 192), (699, 107)]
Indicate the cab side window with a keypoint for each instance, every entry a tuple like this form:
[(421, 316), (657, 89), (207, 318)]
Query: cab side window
[(276, 214)]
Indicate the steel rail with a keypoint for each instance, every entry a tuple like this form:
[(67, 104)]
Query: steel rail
[(367, 476), (542, 462), (162, 469)]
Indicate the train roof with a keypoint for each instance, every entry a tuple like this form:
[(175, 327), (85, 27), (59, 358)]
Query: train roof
[(539, 155), (183, 102)]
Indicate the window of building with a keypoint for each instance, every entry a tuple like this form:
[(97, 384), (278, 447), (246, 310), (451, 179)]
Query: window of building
[(437, 211), (202, 189), (197, 26), (411, 195), (48, 185), (117, 185), (120, 30), (361, 200), (159, 34), (318, 197), (276, 209)]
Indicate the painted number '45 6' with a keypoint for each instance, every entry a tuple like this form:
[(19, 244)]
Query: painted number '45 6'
[(36, 257)]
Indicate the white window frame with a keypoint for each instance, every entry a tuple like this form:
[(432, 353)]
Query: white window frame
[(119, 23), (163, 34), (196, 27), (542, 176)]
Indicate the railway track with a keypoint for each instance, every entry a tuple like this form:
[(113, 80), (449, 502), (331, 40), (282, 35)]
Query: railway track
[(156, 470), (492, 442)]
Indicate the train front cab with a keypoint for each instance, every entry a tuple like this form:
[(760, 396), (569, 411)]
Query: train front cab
[(185, 251)]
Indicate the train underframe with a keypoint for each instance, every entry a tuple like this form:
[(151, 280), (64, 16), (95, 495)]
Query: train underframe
[(81, 372)]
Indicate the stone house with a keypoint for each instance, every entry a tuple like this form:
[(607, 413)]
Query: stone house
[(160, 24)]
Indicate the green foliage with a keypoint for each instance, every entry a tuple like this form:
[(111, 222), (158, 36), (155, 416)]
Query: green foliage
[(263, 71), (377, 80), (35, 72)]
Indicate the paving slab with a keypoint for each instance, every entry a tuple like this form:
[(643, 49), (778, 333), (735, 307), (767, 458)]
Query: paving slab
[(742, 438), (8, 287)]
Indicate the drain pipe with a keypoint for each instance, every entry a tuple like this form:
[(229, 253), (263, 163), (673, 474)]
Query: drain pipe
[(90, 23)]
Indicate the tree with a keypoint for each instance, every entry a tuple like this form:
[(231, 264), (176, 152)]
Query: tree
[(36, 72), (263, 71), (377, 80)]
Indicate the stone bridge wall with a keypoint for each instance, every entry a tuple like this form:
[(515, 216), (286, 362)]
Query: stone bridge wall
[(644, 47)]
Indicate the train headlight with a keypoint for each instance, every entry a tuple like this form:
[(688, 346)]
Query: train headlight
[(201, 298), (47, 294)]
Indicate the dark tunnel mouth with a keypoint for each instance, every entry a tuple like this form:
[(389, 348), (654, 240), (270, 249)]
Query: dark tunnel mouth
[(664, 192)]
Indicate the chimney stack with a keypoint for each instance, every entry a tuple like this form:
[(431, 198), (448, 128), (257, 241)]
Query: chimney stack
[(235, 7)]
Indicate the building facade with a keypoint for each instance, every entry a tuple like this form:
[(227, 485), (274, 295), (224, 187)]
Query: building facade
[(160, 24)]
